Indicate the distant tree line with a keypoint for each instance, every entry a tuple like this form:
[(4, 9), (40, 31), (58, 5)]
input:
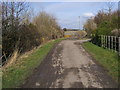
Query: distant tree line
[(105, 22), (20, 32)]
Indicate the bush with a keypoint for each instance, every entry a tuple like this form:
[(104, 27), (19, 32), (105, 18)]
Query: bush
[(104, 28), (29, 38)]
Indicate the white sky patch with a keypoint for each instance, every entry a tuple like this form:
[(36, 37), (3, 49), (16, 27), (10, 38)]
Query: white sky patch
[(88, 14)]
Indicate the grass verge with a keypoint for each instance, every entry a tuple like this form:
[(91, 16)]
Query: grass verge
[(105, 57), (17, 73)]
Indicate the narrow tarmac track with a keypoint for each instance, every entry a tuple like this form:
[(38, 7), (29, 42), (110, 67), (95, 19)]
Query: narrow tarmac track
[(68, 65)]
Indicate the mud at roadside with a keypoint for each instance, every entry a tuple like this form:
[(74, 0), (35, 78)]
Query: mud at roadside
[(48, 70)]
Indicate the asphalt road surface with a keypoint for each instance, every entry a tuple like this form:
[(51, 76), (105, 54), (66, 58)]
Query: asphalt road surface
[(68, 65)]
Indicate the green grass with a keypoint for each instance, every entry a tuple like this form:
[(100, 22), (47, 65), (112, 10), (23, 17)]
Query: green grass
[(105, 57), (16, 74)]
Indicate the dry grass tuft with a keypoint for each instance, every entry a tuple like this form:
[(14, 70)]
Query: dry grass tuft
[(12, 59)]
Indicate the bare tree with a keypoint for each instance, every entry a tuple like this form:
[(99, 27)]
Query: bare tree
[(110, 6), (12, 13), (90, 26), (12, 16), (47, 25)]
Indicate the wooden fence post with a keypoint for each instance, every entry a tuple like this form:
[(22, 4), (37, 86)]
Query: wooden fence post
[(115, 43), (106, 41), (102, 40), (119, 45), (109, 42), (112, 43)]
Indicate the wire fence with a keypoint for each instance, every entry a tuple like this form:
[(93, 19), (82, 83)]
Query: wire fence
[(110, 42)]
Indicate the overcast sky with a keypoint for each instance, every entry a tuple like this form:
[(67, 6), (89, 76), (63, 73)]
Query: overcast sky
[(67, 12)]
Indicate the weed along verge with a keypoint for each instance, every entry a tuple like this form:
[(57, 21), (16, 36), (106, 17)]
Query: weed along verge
[(105, 57), (16, 74)]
